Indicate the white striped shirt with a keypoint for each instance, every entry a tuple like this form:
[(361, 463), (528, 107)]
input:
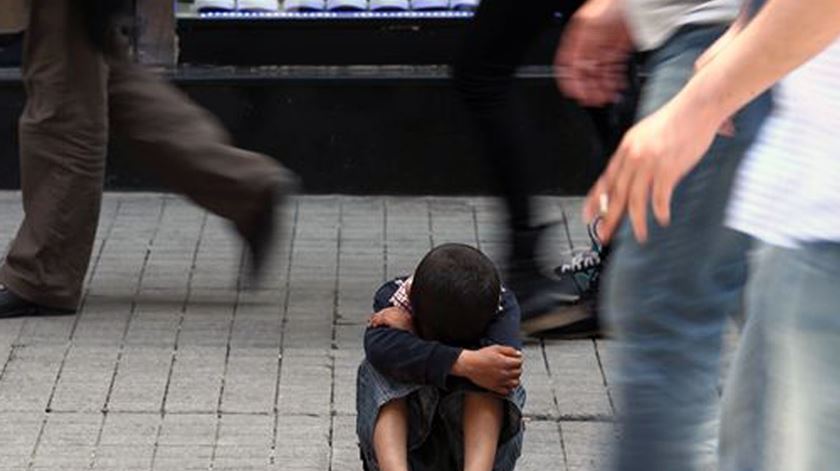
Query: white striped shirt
[(788, 187)]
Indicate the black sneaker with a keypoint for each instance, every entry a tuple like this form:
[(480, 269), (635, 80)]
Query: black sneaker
[(583, 271), (545, 302), (12, 305)]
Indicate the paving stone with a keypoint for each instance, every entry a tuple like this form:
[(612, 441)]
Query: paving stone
[(308, 333), (251, 381), (305, 383), (588, 444), (246, 431), (85, 379), (537, 382), (129, 430), (10, 330), (47, 329), (256, 328), (103, 322), (27, 382), (362, 219), (196, 381), (577, 379), (141, 379), (345, 456), (122, 457), (190, 457), (609, 363), (68, 441), (346, 365), (350, 337), (302, 442), (154, 325), (18, 434), (542, 448), (188, 430)]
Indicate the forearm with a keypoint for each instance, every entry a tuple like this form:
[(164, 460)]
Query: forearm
[(406, 357), (784, 35)]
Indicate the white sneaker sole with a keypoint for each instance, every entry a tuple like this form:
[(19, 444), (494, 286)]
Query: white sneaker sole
[(201, 5), (392, 5), (465, 5), (259, 5), (354, 5), (430, 4), (560, 317), (304, 5)]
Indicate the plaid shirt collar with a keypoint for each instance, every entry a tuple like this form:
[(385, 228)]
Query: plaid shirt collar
[(401, 299)]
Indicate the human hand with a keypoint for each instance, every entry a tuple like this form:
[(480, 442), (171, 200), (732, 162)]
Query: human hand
[(650, 161), (393, 317), (496, 368), (591, 59)]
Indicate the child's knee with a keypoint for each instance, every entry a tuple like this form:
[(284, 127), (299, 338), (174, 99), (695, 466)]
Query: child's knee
[(482, 403), (394, 409)]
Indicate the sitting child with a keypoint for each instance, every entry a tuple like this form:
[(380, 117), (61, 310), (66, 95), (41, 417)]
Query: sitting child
[(440, 386)]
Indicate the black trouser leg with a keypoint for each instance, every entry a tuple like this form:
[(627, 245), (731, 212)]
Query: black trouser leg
[(498, 39)]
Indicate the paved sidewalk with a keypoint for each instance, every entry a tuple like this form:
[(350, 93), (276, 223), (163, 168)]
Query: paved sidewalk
[(170, 367)]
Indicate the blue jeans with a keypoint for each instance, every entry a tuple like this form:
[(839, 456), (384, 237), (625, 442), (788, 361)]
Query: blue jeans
[(667, 301), (793, 322)]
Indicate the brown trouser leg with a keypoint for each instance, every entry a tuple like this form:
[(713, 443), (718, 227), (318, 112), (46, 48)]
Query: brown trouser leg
[(73, 92), (63, 141)]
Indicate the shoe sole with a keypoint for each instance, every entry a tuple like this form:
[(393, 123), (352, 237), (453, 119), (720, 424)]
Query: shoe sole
[(215, 5), (422, 5), (557, 318), (31, 311), (464, 6), (346, 5), (305, 6), (385, 5), (258, 6)]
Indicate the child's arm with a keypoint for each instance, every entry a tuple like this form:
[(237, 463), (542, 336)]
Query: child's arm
[(405, 357)]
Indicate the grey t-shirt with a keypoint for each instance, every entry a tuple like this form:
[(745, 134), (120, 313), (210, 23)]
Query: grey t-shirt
[(652, 22)]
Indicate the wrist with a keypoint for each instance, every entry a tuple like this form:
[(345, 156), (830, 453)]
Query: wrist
[(696, 110), (462, 365), (705, 100)]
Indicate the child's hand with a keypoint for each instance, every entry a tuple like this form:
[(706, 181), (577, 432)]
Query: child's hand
[(393, 317), (496, 368)]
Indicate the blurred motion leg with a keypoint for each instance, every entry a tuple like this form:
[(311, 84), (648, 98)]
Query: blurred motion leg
[(667, 301), (190, 151), (797, 289), (495, 45)]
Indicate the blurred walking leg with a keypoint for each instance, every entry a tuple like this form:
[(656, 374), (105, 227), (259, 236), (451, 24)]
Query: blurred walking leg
[(63, 140), (495, 46), (188, 148), (667, 301), (797, 292)]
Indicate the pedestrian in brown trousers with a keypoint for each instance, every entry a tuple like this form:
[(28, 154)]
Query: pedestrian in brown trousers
[(78, 94)]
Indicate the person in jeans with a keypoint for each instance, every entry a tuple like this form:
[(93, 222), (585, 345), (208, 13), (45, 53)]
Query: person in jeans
[(439, 388), (782, 409), (78, 93), (666, 301)]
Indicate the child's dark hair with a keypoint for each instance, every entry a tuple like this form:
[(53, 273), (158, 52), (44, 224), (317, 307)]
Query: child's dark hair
[(455, 294)]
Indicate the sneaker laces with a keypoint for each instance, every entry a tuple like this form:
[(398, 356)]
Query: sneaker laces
[(588, 259)]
